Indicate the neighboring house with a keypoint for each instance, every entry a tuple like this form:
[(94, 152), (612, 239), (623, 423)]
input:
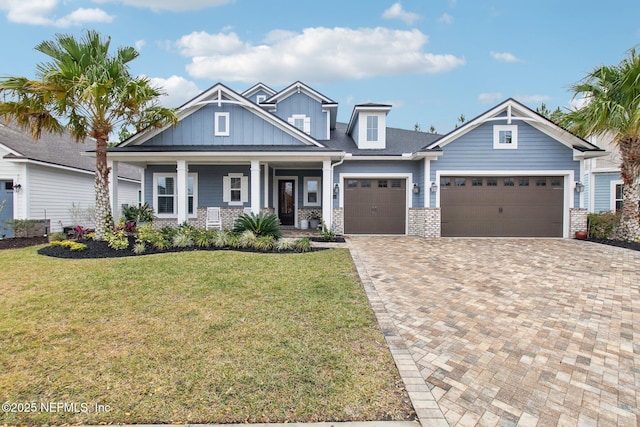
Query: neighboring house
[(50, 179), (508, 172), (602, 180)]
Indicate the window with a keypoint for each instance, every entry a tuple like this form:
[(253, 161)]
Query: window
[(235, 189), (352, 183), (445, 182), (476, 182), (492, 182), (301, 122), (460, 182), (541, 182), (618, 197), (312, 186), (372, 128), (165, 194), (261, 98), (556, 181), (382, 183), (509, 182), (505, 137), (523, 182), (396, 183), (221, 124), (365, 183)]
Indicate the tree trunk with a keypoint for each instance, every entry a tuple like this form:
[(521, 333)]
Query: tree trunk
[(630, 171), (104, 217)]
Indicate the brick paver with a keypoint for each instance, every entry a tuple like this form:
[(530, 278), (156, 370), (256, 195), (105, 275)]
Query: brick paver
[(515, 332)]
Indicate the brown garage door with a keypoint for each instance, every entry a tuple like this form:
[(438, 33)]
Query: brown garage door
[(521, 206), (374, 206)]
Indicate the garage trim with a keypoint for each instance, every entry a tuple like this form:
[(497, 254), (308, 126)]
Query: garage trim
[(568, 185), (359, 175)]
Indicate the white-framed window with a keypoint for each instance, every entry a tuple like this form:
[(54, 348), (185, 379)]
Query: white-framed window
[(617, 195), (235, 189), (372, 128), (221, 124), (261, 98), (301, 121), (505, 137), (312, 191), (165, 194)]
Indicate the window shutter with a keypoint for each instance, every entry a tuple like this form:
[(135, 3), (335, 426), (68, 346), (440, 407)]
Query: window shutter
[(307, 125), (226, 189), (244, 185), (291, 121)]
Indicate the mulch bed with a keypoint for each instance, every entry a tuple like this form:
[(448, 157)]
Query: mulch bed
[(334, 240), (635, 246), (22, 242)]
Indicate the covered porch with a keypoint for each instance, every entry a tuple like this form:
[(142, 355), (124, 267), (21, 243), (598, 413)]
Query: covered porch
[(181, 187)]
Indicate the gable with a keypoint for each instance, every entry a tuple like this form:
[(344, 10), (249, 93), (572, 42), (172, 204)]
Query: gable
[(301, 104)]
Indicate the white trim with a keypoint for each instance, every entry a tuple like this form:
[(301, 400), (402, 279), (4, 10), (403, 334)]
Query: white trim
[(363, 131), (260, 98), (305, 200), (612, 193), (226, 189), (276, 199), (255, 186), (497, 144), (306, 122), (217, 116), (266, 184), (408, 190), (174, 175), (426, 185), (568, 175)]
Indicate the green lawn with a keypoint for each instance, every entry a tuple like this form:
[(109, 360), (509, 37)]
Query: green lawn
[(213, 337)]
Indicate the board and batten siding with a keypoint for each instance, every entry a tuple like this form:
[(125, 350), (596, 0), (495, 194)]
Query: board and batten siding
[(376, 168), (245, 128), (536, 151), (301, 103)]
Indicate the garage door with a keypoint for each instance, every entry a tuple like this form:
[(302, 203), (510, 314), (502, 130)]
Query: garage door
[(520, 206), (374, 206)]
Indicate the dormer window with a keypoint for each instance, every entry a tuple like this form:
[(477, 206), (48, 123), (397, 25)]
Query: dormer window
[(372, 128), (505, 137), (261, 98), (221, 124), (301, 122)]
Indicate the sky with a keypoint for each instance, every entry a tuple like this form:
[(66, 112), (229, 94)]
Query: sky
[(432, 60)]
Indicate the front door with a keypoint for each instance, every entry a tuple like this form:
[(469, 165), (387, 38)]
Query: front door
[(6, 207), (286, 202)]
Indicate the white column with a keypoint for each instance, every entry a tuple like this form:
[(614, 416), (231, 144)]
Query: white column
[(327, 193), (266, 184), (113, 190), (426, 186), (183, 190), (255, 186)]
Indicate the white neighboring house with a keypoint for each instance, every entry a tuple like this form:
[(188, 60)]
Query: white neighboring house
[(52, 179)]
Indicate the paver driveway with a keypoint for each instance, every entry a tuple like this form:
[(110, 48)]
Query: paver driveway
[(534, 332)]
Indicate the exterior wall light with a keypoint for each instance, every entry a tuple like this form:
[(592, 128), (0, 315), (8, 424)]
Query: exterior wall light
[(336, 188), (579, 187), (416, 188), (434, 187), (17, 188)]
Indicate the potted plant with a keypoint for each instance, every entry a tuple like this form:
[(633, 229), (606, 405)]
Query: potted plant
[(314, 219), (581, 235)]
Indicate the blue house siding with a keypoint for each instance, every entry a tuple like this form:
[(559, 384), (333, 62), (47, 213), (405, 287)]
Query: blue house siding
[(301, 103), (536, 152), (415, 169), (602, 190), (245, 129), (210, 187)]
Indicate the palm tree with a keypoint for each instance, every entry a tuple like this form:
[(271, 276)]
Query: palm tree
[(89, 93), (612, 106)]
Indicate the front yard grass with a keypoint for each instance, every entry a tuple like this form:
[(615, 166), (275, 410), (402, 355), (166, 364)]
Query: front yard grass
[(199, 337)]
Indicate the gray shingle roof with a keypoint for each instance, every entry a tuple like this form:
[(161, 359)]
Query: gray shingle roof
[(60, 150)]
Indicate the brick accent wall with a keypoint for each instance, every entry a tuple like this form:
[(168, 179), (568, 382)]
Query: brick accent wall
[(227, 215), (424, 222), (338, 220), (577, 221)]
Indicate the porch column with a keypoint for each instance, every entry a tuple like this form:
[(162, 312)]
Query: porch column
[(113, 190), (327, 193), (266, 184), (183, 190), (255, 186)]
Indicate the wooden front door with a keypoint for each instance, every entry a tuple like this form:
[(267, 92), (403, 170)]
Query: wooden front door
[(286, 202)]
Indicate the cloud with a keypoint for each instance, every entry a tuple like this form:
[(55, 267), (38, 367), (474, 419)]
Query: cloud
[(397, 12), (490, 98), (504, 57), (445, 18), (172, 5), (39, 12), (526, 99), (140, 44), (178, 89), (315, 55)]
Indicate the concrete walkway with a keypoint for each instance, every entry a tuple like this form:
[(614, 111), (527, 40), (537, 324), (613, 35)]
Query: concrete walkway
[(509, 332)]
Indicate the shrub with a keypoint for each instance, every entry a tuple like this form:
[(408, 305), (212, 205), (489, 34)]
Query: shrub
[(233, 241), (326, 233), (204, 238), (264, 243), (139, 248), (182, 239), (147, 235), (138, 214), (302, 245), (221, 239), (603, 226), (263, 224), (70, 244), (284, 245), (117, 239), (247, 239), (58, 236), (21, 227)]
